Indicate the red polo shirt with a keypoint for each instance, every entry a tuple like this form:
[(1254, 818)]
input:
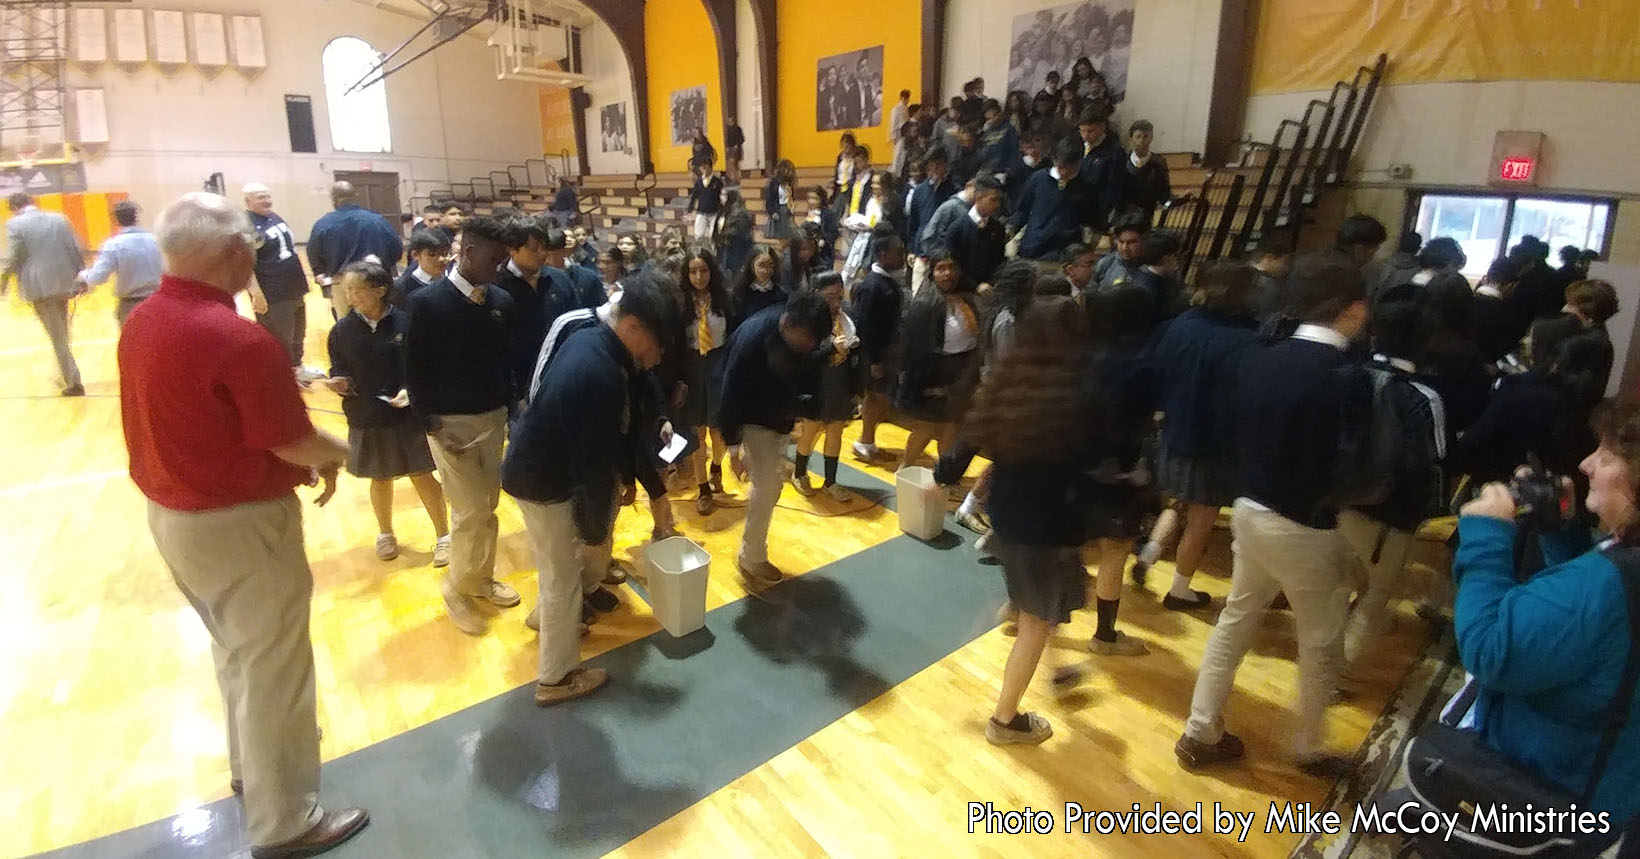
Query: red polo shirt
[(205, 396)]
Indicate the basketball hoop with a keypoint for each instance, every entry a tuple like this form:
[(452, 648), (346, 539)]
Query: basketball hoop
[(28, 151)]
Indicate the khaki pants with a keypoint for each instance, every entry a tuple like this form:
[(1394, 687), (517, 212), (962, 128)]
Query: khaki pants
[(245, 571), (53, 313), (764, 451), (472, 482), (1372, 614), (561, 573), (1274, 555)]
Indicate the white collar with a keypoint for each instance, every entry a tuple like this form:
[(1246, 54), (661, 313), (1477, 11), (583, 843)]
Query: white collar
[(461, 283), (1323, 335), (1401, 364), (766, 287), (1054, 172), (973, 215), (1488, 290), (421, 275), (368, 321), (1137, 162), (877, 268), (519, 273)]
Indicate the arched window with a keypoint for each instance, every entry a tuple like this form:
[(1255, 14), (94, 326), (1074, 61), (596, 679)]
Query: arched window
[(358, 121)]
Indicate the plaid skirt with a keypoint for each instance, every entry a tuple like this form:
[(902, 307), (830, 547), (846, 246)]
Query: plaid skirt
[(1045, 581), (1198, 479), (384, 453)]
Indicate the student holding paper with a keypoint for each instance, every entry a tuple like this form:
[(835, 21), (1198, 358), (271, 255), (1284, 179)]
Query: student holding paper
[(384, 440)]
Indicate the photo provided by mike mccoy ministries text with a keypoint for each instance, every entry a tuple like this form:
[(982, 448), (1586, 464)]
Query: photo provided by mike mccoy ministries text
[(1288, 818)]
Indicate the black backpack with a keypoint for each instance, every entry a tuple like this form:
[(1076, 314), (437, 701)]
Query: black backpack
[(1371, 438)]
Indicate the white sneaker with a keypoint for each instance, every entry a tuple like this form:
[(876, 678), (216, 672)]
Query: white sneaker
[(866, 452), (441, 552), (802, 485), (387, 547), (839, 493)]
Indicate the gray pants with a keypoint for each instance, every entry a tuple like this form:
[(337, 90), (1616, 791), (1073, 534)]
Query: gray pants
[(287, 321), (245, 572), (122, 310), (53, 313)]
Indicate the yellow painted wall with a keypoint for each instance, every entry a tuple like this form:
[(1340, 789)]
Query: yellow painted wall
[(681, 53), (557, 121), (810, 31)]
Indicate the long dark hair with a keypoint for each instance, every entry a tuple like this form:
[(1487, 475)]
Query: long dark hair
[(1012, 288), (923, 332), (743, 283), (1037, 404), (794, 268), (716, 288)]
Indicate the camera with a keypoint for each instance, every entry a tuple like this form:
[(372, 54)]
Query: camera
[(1539, 503)]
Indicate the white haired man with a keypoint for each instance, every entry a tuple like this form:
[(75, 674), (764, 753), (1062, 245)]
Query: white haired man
[(218, 439)]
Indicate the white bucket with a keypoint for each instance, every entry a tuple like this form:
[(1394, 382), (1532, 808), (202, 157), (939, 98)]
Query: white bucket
[(921, 502), (677, 583)]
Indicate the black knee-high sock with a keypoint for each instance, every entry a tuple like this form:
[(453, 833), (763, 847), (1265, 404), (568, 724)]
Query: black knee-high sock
[(706, 490), (801, 461), (831, 470), (1106, 629)]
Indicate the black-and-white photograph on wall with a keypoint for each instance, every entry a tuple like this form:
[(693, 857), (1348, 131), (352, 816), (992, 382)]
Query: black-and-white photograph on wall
[(688, 114), (1054, 39), (849, 90), (613, 121)]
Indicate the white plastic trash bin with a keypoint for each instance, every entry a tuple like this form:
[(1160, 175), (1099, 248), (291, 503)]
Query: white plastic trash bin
[(677, 583), (921, 502)]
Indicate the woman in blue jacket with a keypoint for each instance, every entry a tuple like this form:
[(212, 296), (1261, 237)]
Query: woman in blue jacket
[(1548, 652)]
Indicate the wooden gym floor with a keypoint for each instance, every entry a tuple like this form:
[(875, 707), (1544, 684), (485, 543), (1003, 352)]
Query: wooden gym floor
[(112, 717)]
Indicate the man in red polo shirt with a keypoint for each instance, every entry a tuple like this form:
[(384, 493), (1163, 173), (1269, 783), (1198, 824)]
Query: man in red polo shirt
[(219, 438)]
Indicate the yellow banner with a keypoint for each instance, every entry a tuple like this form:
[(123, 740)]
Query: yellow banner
[(1311, 44)]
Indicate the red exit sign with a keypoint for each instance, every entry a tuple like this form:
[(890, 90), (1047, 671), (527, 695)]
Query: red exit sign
[(1516, 169)]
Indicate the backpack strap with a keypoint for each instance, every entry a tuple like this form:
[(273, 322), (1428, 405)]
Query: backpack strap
[(1627, 561)]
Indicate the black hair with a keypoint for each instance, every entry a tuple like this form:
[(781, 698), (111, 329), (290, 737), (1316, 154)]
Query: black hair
[(424, 241), (1053, 284), (1442, 253), (985, 183), (19, 201), (432, 207), (717, 288), (862, 150), (990, 105), (1225, 286), (1448, 295), (615, 255), (745, 278), (847, 136), (646, 298), (1410, 243), (825, 280), (1074, 250), (936, 155), (1361, 231), (492, 229), (125, 213), (1120, 316), (373, 274), (1582, 366), (1274, 245), (882, 245), (1503, 270), (526, 227), (1548, 334), (1144, 125), (1129, 224), (1159, 245), (1053, 74), (1322, 286), (1067, 152), (1093, 115), (1012, 287), (905, 93), (1402, 323), (808, 310)]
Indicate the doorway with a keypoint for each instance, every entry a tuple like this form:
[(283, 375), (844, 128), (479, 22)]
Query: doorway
[(378, 192)]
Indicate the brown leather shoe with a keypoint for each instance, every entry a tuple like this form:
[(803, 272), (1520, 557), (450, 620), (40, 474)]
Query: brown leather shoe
[(237, 785), (332, 829), (578, 683)]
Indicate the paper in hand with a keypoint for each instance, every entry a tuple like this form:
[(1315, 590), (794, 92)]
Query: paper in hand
[(675, 447)]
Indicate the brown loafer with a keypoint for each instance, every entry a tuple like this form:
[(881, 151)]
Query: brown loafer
[(578, 683), (332, 829)]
